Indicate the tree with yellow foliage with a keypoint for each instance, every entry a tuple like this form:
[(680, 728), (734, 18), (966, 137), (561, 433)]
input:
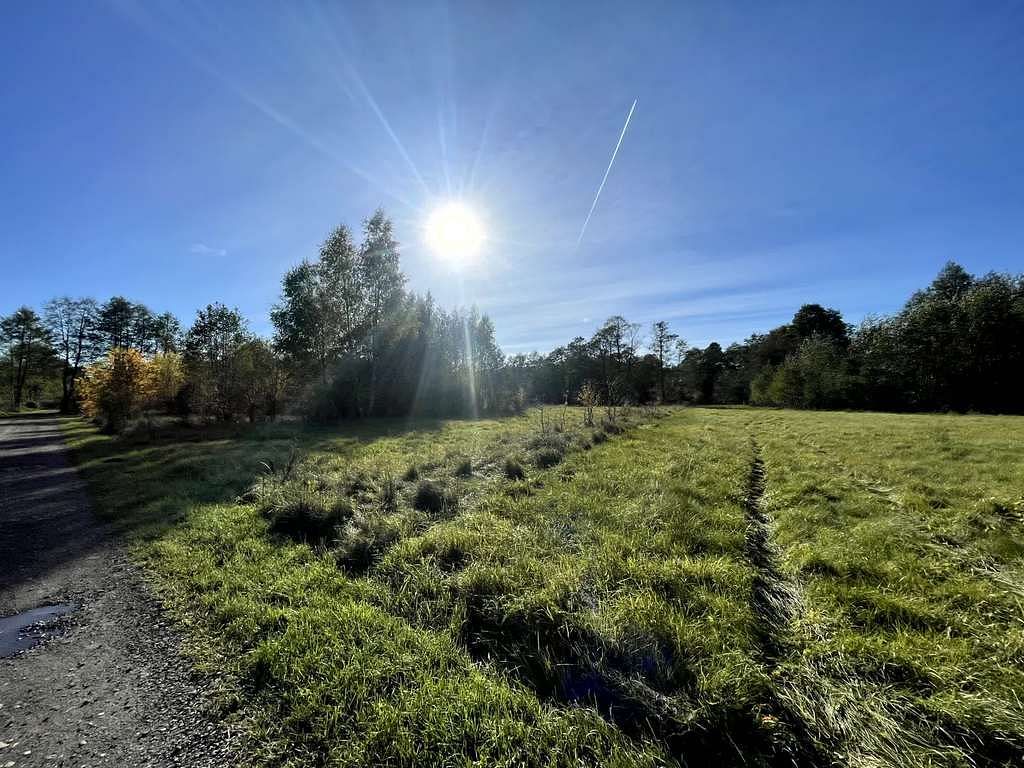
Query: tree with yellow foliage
[(119, 387), (168, 376)]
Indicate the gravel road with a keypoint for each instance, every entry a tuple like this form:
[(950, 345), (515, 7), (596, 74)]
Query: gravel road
[(105, 683)]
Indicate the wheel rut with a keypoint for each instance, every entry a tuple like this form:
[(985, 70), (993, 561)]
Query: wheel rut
[(774, 599), (836, 717)]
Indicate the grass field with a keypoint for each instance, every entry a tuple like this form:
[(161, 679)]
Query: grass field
[(749, 586)]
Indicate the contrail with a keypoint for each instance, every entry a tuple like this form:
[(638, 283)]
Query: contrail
[(606, 172)]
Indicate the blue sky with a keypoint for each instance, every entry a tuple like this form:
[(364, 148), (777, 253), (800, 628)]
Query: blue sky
[(780, 153)]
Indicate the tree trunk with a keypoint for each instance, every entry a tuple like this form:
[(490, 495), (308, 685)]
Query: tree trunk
[(67, 381), (661, 376), (19, 381), (373, 386)]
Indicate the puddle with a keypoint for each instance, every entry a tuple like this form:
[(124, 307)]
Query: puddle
[(29, 628)]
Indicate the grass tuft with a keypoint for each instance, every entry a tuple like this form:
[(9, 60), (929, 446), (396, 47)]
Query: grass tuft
[(387, 493), (513, 469), (309, 516), (547, 457), (431, 497), (364, 540)]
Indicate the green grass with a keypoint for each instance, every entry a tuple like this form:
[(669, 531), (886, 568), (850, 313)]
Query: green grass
[(905, 535), (631, 599)]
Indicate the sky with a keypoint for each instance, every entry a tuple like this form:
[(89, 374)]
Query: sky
[(778, 154)]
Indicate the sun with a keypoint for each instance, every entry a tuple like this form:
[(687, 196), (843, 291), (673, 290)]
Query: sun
[(454, 233)]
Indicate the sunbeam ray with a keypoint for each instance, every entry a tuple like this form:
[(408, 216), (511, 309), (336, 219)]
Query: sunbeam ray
[(138, 16), (356, 79)]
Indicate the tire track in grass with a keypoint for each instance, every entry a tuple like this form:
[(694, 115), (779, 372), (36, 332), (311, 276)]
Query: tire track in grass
[(574, 667), (775, 601), (836, 717)]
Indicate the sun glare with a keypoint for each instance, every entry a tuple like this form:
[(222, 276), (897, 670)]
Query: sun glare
[(454, 233)]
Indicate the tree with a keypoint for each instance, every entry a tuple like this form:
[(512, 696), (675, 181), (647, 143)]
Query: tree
[(815, 320), (123, 324), (487, 362), (815, 377), (709, 367), (262, 378), (958, 344), (382, 283), (951, 284), (26, 344), (71, 323), (166, 333), (212, 347), (168, 377), (318, 318), (615, 343), (114, 324), (662, 341), (117, 388)]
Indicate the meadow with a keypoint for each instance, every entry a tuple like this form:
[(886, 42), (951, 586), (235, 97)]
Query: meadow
[(674, 586)]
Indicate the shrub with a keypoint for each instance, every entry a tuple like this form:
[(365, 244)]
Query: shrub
[(412, 474), (430, 497), (514, 470), (589, 398), (464, 468), (309, 516), (612, 428), (599, 437), (168, 372), (547, 457)]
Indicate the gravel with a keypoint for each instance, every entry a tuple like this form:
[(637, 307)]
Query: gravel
[(106, 684)]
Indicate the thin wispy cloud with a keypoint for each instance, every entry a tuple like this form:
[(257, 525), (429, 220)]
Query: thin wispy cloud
[(202, 249)]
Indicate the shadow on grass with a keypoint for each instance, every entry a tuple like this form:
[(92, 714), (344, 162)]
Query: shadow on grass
[(29, 414), (146, 480)]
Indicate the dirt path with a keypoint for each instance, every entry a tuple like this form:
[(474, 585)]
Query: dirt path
[(106, 684)]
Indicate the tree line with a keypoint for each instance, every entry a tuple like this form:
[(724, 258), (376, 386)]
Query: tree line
[(957, 345), (350, 340)]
